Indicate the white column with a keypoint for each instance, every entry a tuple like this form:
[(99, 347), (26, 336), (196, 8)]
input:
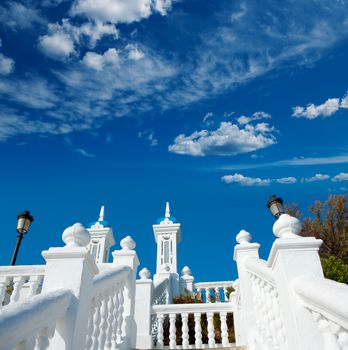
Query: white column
[(128, 257), (71, 267), (292, 256), (242, 251), (143, 298)]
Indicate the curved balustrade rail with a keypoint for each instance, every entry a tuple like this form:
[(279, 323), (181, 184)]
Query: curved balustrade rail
[(106, 309), (265, 298), (214, 291), (160, 293), (20, 282), (328, 302), (31, 323), (177, 312)]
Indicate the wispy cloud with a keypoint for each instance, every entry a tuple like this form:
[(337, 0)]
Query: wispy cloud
[(149, 136), (84, 153), (340, 177), (316, 177), (256, 181), (326, 109)]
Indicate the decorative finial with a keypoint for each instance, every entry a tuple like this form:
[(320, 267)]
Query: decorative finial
[(287, 227), (243, 237), (101, 214), (167, 214), (76, 236), (186, 271), (127, 243), (144, 274)]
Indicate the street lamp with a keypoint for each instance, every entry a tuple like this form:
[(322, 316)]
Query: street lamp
[(275, 205), (23, 223)]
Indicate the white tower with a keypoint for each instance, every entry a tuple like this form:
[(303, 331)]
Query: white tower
[(167, 235), (102, 239)]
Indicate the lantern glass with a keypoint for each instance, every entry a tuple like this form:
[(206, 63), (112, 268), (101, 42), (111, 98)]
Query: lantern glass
[(24, 221), (275, 205)]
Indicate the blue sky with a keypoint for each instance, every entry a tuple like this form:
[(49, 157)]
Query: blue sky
[(210, 105)]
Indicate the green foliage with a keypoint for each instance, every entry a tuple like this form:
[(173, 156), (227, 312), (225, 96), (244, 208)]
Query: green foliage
[(335, 268)]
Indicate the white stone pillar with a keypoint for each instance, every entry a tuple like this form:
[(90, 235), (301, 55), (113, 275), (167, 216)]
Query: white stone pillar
[(128, 257), (71, 267), (186, 280), (143, 305), (242, 251), (292, 256)]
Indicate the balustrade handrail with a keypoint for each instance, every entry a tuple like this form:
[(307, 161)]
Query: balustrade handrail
[(324, 296), (110, 277), (191, 308), (22, 320), (22, 270), (259, 267), (221, 284)]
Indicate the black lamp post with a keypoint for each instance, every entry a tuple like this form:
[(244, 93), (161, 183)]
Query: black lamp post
[(23, 224), (275, 205)]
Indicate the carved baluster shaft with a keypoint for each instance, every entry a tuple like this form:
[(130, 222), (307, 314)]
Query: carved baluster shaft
[(172, 332), (4, 282), (34, 282), (103, 322), (198, 330), (109, 319), (224, 333), (120, 313), (96, 325), (115, 318), (185, 329), (211, 330), (18, 282), (90, 325), (160, 331)]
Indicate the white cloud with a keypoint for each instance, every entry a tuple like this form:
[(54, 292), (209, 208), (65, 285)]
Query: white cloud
[(163, 6), (316, 177), (62, 38), (256, 116), (344, 101), (340, 177), (227, 140), (18, 16), (57, 45), (326, 109), (98, 62), (245, 181), (286, 180), (6, 65), (113, 11), (207, 116), (134, 53)]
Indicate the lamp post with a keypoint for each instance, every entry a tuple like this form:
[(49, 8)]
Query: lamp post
[(275, 205), (23, 223)]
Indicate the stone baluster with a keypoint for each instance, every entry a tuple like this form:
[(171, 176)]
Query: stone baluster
[(115, 317), (103, 321), (96, 324), (224, 333), (343, 339), (207, 295), (225, 294), (185, 329), (217, 295), (199, 294), (33, 283), (120, 313), (328, 330), (90, 325), (211, 330), (18, 282), (198, 330), (42, 341), (4, 282), (160, 331), (110, 318), (172, 331)]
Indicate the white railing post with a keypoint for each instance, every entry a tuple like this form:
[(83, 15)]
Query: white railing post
[(128, 257), (71, 267), (186, 280), (242, 251), (292, 256), (143, 304)]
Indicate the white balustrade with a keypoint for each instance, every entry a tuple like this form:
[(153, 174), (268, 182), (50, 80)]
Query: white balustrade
[(174, 312), (20, 282), (213, 291), (160, 292), (327, 301), (30, 324)]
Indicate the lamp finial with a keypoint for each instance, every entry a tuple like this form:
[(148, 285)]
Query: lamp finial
[(101, 214), (167, 213)]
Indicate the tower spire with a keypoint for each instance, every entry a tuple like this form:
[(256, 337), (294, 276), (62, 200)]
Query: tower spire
[(101, 214), (167, 213)]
